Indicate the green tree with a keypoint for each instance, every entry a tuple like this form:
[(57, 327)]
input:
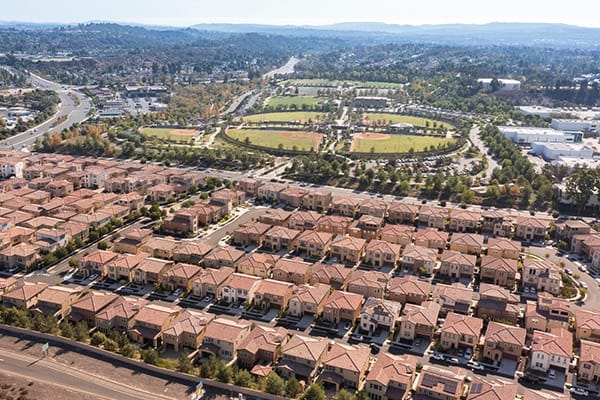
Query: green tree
[(314, 392), (98, 338), (224, 373), (292, 388), (102, 245), (111, 345), (243, 378), (73, 263), (275, 384), (580, 186), (150, 356), (81, 332), (184, 363), (344, 395), (67, 330), (128, 350)]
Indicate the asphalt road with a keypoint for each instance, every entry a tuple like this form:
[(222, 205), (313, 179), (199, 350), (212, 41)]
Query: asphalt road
[(477, 142), (75, 113), (50, 372), (286, 69)]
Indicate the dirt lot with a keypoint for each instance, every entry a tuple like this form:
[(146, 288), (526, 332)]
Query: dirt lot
[(90, 366), (14, 387)]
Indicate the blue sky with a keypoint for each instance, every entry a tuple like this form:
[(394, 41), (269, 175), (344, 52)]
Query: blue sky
[(313, 12)]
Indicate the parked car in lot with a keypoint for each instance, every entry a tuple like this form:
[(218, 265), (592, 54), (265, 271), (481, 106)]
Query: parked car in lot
[(583, 284), (93, 277), (551, 373), (177, 292), (453, 360), (437, 356), (474, 365), (579, 391), (568, 271)]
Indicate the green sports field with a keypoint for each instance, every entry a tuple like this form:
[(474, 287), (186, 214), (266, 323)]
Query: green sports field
[(170, 134), (391, 143), (289, 101), (291, 116), (302, 140), (408, 119)]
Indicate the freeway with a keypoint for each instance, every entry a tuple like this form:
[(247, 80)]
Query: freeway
[(49, 371), (75, 111)]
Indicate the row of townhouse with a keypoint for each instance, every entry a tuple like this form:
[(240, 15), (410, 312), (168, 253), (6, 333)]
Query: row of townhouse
[(457, 220), (164, 324)]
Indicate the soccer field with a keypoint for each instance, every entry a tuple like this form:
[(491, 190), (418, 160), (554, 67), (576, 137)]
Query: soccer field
[(302, 140), (408, 119), (291, 116), (170, 134), (386, 143)]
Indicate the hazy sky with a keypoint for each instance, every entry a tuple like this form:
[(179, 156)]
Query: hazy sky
[(280, 12)]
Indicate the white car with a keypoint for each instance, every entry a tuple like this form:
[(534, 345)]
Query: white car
[(583, 284), (93, 277), (579, 391), (474, 365), (468, 354)]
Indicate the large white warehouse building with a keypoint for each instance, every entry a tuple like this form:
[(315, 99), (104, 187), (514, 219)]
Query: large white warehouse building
[(553, 151), (528, 135), (588, 125)]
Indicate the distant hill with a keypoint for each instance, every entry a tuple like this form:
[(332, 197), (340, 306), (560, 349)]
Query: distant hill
[(535, 34)]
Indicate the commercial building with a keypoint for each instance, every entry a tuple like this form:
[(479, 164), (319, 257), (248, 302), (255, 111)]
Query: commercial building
[(587, 125), (528, 135), (554, 151)]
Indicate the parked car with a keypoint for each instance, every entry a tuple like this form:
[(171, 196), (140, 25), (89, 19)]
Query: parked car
[(93, 277), (177, 292), (460, 352), (474, 365), (437, 356), (469, 353), (417, 342), (375, 348), (583, 284), (579, 391), (453, 360), (347, 326), (551, 373), (568, 271)]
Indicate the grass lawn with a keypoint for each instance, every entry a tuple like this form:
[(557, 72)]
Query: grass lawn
[(386, 143), (273, 138), (288, 101), (170, 134), (409, 119), (290, 116)]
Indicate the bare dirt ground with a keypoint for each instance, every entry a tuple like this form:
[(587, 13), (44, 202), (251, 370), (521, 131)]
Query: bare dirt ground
[(185, 132), (92, 367), (15, 387)]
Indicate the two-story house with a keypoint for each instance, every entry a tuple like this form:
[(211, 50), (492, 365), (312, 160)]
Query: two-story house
[(409, 289), (187, 330), (308, 299), (379, 314), (503, 341), (301, 357), (551, 350), (342, 306), (345, 366), (460, 331), (379, 253), (391, 377), (418, 321), (222, 337), (262, 345)]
